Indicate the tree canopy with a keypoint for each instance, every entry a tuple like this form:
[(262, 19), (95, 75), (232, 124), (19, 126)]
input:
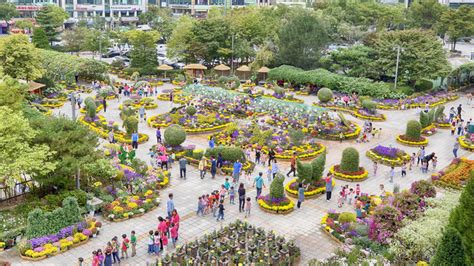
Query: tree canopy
[(51, 19), (18, 58)]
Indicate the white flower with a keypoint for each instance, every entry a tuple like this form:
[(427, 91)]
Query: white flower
[(141, 210), (111, 216), (157, 200)]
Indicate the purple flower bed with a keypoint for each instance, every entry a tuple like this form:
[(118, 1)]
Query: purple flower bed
[(275, 201), (387, 152), (63, 233)]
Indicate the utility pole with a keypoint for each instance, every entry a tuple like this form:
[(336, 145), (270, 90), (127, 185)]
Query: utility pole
[(396, 67), (100, 47), (232, 56), (73, 106)]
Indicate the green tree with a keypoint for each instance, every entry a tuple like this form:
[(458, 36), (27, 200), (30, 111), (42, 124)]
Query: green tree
[(178, 46), (450, 250), (305, 171), (462, 218), (425, 13), (143, 54), (160, 19), (51, 19), (75, 39), (97, 41), (457, 23), (19, 59), (39, 39), (12, 93), (24, 24), (421, 56), (74, 148), (301, 40), (8, 11), (210, 38), (20, 158), (356, 61)]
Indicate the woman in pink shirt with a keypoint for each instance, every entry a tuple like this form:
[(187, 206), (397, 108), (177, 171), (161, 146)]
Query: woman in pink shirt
[(164, 161), (95, 258), (175, 218), (174, 233)]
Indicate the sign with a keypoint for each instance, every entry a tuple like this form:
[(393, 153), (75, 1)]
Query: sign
[(28, 8), (88, 8), (125, 8)]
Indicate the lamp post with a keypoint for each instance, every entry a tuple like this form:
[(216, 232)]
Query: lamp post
[(399, 49), (232, 56)]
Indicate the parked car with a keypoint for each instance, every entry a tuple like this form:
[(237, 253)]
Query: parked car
[(111, 54)]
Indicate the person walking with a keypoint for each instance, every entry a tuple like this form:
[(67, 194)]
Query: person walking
[(135, 140), (211, 143), (328, 187), (459, 110), (241, 192), (301, 190), (158, 135), (292, 165), (271, 156), (182, 167), (104, 104), (420, 155), (258, 182), (133, 241), (455, 149), (220, 215), (202, 167), (220, 162), (125, 245), (275, 168), (164, 161), (141, 112), (248, 205), (236, 171), (170, 205), (213, 167), (257, 156)]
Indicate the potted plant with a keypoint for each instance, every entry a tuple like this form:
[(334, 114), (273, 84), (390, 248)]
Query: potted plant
[(166, 261)]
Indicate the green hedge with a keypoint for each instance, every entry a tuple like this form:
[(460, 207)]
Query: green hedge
[(230, 154), (174, 135), (333, 81)]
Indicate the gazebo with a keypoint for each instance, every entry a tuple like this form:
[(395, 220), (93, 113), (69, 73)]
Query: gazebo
[(195, 70), (244, 70), (34, 87), (263, 71), (222, 68), (164, 68)]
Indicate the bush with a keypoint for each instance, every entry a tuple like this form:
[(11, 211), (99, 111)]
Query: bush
[(318, 167), (231, 154), (423, 189), (423, 85), (347, 217), (277, 190), (296, 136), (369, 105), (350, 160), (304, 171), (424, 120), (451, 250), (90, 107), (191, 110), (325, 95), (197, 154), (131, 125), (413, 130), (174, 135)]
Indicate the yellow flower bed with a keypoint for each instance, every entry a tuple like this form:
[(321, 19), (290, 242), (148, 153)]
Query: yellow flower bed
[(310, 193), (277, 209), (138, 105), (351, 178), (294, 100), (53, 105), (464, 144), (372, 118), (300, 151), (387, 161), (151, 123), (443, 125), (303, 93), (424, 142), (119, 136)]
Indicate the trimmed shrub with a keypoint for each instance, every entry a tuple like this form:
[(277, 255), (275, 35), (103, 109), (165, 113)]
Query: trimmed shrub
[(304, 171), (451, 250), (296, 136), (279, 90), (413, 130), (350, 160), (277, 191), (369, 105), (325, 95), (343, 119), (90, 107), (197, 154), (229, 153), (130, 124), (347, 217), (174, 135), (424, 120), (439, 113), (191, 110), (431, 116), (318, 167)]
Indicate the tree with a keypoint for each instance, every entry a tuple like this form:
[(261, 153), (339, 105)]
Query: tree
[(457, 23), (143, 54), (425, 13), (450, 251), (210, 39), (12, 93), (20, 158), (39, 39), (19, 59), (8, 11), (75, 39), (97, 41), (356, 61), (462, 218), (51, 17), (74, 148), (24, 24), (305, 172), (160, 19), (422, 55), (178, 46), (301, 40)]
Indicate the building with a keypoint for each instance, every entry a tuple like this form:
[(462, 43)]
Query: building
[(124, 11), (458, 3)]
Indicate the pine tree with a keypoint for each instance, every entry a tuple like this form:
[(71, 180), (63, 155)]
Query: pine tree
[(40, 40), (450, 251)]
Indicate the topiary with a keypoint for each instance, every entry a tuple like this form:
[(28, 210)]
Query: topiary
[(451, 250), (191, 110), (413, 130), (350, 160), (347, 217), (343, 119), (431, 116), (325, 95), (231, 154), (174, 135), (279, 91), (439, 113), (277, 190), (90, 107), (318, 167), (131, 125), (369, 105), (304, 171), (424, 120), (296, 136)]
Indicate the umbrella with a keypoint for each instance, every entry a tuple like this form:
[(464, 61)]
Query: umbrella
[(164, 68), (195, 67), (264, 71), (244, 69), (222, 68)]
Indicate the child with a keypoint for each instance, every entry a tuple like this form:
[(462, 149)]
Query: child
[(357, 192), (125, 245), (424, 166), (156, 242), (340, 200), (200, 207), (151, 242), (269, 174), (248, 205), (392, 173), (227, 183), (412, 161), (164, 244), (215, 207), (174, 234), (404, 170), (222, 192), (358, 211), (375, 168), (264, 158), (220, 216), (231, 195), (435, 162), (350, 195), (453, 128), (133, 241), (344, 193)]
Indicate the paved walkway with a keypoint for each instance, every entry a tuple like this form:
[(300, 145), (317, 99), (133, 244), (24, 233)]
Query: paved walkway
[(301, 225)]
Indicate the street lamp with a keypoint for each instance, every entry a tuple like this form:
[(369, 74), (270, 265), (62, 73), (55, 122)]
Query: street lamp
[(399, 49)]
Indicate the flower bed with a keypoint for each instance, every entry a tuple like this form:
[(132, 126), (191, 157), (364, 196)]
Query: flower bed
[(129, 206), (66, 239), (416, 101), (237, 243), (429, 130), (177, 98), (276, 205), (99, 108), (455, 175), (52, 103), (388, 156), (288, 98), (466, 143), (358, 176), (363, 114), (146, 102), (313, 191), (409, 142), (227, 167), (100, 126)]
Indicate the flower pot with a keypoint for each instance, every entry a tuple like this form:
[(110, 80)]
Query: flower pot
[(242, 244), (224, 261)]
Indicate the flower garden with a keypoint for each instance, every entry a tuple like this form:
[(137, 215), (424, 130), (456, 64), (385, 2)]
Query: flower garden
[(349, 169), (412, 136), (276, 202), (389, 156), (178, 97), (101, 127), (455, 175), (147, 102)]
